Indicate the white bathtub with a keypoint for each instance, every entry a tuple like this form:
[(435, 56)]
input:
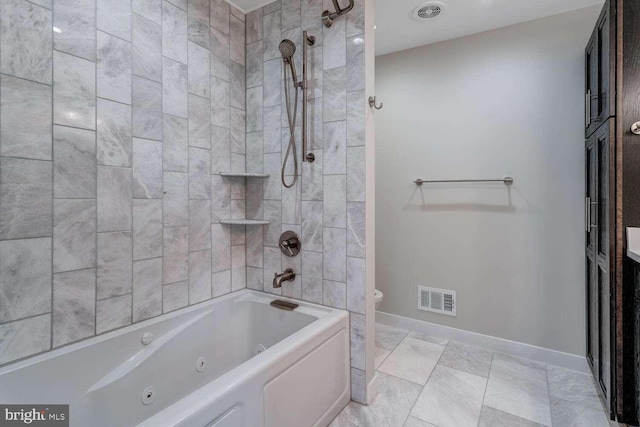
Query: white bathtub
[(302, 379)]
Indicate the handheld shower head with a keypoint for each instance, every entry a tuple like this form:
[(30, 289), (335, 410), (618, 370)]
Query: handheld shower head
[(287, 49)]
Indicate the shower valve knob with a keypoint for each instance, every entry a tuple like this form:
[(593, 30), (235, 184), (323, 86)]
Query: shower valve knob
[(311, 157)]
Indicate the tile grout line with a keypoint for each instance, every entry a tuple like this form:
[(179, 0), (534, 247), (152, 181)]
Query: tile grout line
[(486, 387), (546, 377)]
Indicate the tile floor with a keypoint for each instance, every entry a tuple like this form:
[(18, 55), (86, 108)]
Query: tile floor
[(425, 381)]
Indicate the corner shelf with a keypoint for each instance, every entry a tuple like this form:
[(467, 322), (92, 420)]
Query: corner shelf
[(244, 175), (244, 222)]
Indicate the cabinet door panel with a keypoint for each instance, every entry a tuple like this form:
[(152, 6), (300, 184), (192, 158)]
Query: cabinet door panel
[(599, 71), (598, 226)]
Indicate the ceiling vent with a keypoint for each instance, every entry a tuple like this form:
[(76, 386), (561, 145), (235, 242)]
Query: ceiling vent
[(428, 11)]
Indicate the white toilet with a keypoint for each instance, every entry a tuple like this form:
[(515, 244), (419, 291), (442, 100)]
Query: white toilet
[(379, 297)]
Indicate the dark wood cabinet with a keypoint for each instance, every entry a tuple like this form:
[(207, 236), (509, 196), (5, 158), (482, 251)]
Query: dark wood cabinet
[(600, 197), (600, 264), (612, 203), (600, 71)]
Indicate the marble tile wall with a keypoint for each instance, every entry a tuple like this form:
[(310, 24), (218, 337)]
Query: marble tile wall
[(327, 204), (116, 119)]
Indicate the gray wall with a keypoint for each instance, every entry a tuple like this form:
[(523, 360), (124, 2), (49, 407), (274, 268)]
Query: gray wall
[(504, 102), (327, 205), (108, 140)]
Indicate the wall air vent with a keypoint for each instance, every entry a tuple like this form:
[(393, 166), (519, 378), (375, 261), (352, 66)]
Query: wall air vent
[(437, 300), (428, 11)]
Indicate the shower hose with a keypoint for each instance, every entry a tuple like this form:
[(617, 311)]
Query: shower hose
[(291, 149)]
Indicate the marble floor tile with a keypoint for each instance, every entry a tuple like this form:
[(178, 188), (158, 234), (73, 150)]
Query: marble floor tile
[(573, 386), (491, 417), (416, 422), (427, 337), (519, 387), (389, 409), (468, 358), (381, 355), (77, 23), (388, 337), (571, 414), (451, 398), (412, 360)]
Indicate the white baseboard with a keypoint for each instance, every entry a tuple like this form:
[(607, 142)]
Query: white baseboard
[(514, 348)]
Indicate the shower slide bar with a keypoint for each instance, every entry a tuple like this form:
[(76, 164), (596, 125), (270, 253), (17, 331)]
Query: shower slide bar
[(506, 181)]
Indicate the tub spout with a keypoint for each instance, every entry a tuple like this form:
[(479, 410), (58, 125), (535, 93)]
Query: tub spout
[(287, 276)]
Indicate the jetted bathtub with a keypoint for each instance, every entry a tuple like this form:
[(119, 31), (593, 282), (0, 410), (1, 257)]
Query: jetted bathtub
[(230, 362)]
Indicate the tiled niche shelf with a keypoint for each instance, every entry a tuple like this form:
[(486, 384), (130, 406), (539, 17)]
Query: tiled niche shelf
[(244, 221), (244, 175)]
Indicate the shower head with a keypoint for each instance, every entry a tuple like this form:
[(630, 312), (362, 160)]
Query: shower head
[(287, 49)]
